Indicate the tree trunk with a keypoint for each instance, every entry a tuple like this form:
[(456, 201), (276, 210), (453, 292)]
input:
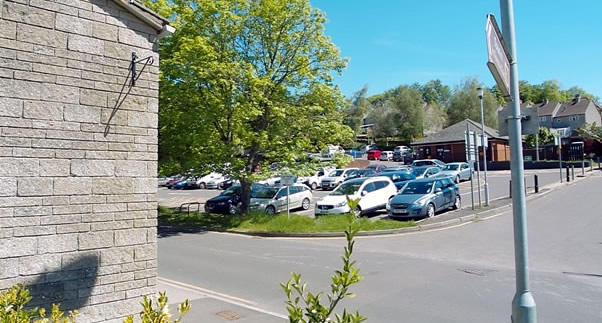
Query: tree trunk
[(245, 195)]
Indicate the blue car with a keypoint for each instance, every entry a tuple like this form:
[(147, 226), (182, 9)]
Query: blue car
[(399, 178)]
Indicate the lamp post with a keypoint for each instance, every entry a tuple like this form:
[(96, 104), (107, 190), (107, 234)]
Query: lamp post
[(480, 92)]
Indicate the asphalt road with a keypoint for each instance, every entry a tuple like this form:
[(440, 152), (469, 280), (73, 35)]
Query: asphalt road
[(459, 274), (498, 188)]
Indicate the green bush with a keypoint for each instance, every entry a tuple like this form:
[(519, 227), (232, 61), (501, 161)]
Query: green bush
[(312, 310), (159, 314)]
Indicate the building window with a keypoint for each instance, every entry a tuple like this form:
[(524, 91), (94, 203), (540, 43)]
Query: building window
[(574, 118), (543, 119), (557, 120)]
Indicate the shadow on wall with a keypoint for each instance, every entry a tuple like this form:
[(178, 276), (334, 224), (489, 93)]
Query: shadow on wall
[(71, 286)]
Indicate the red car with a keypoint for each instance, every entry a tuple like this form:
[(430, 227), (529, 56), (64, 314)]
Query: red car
[(373, 154)]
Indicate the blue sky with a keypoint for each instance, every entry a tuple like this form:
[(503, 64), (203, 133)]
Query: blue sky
[(394, 42)]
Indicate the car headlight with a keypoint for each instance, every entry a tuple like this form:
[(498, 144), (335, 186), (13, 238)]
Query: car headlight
[(341, 204), (221, 203), (420, 202)]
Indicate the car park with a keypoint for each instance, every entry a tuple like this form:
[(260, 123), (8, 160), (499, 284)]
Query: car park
[(377, 167), (354, 153), (426, 171), (217, 183), (424, 198), (180, 185), (373, 192), (361, 173), (273, 199), (399, 178), (402, 149), (367, 148), (427, 162), (315, 180), (174, 182), (228, 202), (397, 168), (457, 171), (335, 178), (403, 157), (374, 154), (203, 181), (386, 155)]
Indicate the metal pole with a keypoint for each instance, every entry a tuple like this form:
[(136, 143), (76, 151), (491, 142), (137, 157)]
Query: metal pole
[(288, 201), (476, 149), (469, 159), (523, 303), (573, 172), (560, 160), (583, 166), (537, 146), (484, 149), (536, 182), (568, 174)]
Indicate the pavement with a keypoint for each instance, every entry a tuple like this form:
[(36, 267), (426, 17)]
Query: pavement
[(490, 268)]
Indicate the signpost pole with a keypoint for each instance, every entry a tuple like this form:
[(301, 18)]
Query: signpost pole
[(523, 303), (288, 202), (537, 146), (476, 149), (560, 157), (480, 91), (469, 160)]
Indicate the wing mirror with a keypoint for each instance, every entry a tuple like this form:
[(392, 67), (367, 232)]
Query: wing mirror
[(438, 190), (364, 193)]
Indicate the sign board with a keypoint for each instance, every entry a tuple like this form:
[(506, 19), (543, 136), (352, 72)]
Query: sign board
[(498, 58), (469, 144), (287, 180)]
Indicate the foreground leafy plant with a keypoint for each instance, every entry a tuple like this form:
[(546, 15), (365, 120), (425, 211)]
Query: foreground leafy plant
[(12, 309), (312, 310), (159, 314)]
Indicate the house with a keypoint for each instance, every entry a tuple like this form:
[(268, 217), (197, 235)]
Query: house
[(79, 172), (576, 113), (449, 144)]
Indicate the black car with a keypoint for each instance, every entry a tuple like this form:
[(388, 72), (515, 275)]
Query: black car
[(228, 201), (360, 173)]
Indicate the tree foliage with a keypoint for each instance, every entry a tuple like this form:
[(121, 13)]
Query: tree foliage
[(248, 82), (398, 113), (357, 107), (545, 137), (590, 131), (465, 104)]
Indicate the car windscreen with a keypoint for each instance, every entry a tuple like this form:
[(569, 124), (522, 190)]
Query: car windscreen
[(265, 192), (417, 188), (419, 171), (398, 177), (234, 190), (347, 189), (336, 173), (451, 167)]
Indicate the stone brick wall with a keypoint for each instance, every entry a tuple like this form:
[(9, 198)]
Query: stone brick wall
[(77, 209)]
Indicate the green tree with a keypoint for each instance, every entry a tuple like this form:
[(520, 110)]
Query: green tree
[(400, 113), (248, 82), (545, 137), (435, 92), (590, 131), (357, 108), (464, 104)]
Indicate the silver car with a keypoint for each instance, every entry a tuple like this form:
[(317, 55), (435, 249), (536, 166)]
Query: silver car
[(457, 171), (272, 199)]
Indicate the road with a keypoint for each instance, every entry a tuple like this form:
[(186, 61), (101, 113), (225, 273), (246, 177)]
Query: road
[(498, 188), (459, 274)]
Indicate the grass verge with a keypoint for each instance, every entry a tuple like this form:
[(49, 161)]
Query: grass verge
[(261, 222)]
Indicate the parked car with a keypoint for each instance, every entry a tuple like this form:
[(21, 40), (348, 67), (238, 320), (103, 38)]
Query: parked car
[(180, 185), (361, 173), (174, 182), (373, 154), (386, 155), (402, 149), (218, 183), (228, 202), (315, 180), (427, 162), (404, 157), (354, 153), (335, 178), (397, 168), (202, 182), (399, 178), (161, 181), (373, 192), (457, 171), (426, 171), (377, 167), (331, 150), (367, 148), (424, 197), (273, 199)]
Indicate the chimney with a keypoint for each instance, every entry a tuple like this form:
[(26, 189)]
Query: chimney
[(577, 97), (546, 101)]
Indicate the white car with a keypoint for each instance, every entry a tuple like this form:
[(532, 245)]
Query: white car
[(386, 155), (402, 149), (335, 178), (272, 181), (211, 177), (331, 150), (217, 182), (315, 180), (374, 194)]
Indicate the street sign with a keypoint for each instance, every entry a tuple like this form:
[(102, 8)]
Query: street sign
[(498, 59)]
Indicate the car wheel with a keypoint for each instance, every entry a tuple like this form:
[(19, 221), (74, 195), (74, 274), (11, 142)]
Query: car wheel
[(202, 186), (457, 179), (457, 203), (220, 186), (306, 203), (270, 210), (358, 210), (232, 209), (314, 186), (430, 210)]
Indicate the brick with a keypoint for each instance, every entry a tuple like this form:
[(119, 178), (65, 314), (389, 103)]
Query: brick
[(115, 278), (70, 154), (146, 252), (132, 102), (43, 59), (130, 168), (72, 81), (143, 223), (113, 225), (109, 207), (105, 298), (54, 167), (80, 113), (72, 228), (8, 53), (6, 142), (112, 186), (56, 200), (41, 36), (97, 217), (99, 76), (91, 15), (28, 15), (19, 167), (60, 93), (44, 50), (93, 167), (19, 222), (130, 237), (74, 135), (39, 264), (126, 198), (142, 119), (61, 219), (33, 211), (81, 260), (114, 155), (43, 110), (8, 186), (87, 199), (73, 25), (104, 31), (8, 29), (6, 233), (72, 186), (34, 186), (52, 6), (131, 285), (51, 143), (95, 240), (34, 231), (93, 97), (33, 76), (117, 21), (85, 44), (6, 213), (119, 118), (145, 273), (71, 209), (130, 37), (55, 125), (145, 185), (19, 89), (23, 133), (16, 247), (9, 267), (56, 70), (57, 243), (30, 152), (20, 201)]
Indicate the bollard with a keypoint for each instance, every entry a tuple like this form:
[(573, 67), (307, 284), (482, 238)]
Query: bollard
[(599, 165), (536, 181), (510, 189), (525, 185), (591, 165), (573, 172), (583, 167), (568, 174)]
